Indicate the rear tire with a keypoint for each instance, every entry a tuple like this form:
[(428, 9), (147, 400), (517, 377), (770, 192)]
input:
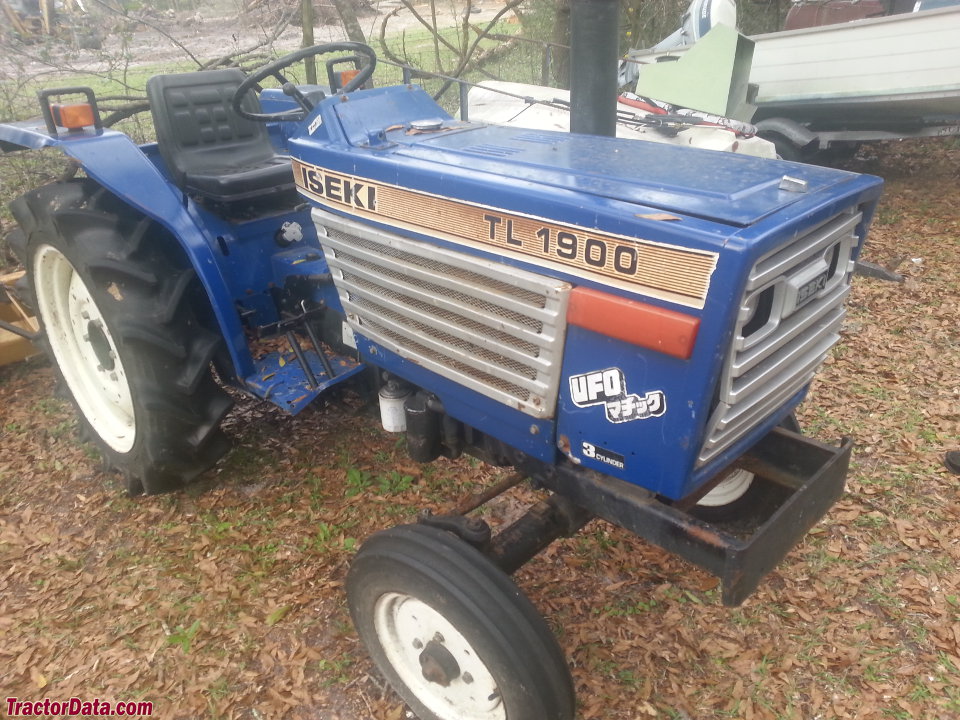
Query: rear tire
[(122, 309), (452, 633), (786, 149)]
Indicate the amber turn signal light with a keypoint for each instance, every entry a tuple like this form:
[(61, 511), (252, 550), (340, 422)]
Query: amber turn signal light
[(72, 117)]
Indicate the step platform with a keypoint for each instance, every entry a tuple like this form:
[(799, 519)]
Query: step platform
[(280, 379)]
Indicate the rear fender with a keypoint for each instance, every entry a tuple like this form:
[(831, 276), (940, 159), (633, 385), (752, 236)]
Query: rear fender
[(114, 161)]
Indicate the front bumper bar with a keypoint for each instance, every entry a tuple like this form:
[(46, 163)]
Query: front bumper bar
[(801, 479)]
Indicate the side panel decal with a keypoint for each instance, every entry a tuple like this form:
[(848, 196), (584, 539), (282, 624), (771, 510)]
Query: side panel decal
[(609, 388), (668, 272)]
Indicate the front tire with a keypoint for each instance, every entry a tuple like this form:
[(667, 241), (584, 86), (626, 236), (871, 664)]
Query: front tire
[(122, 311), (452, 633)]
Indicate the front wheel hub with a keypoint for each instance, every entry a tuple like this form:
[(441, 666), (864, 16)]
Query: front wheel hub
[(438, 664), (101, 345), (445, 673)]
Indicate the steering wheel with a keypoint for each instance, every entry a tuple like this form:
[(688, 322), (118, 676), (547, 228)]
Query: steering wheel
[(273, 70)]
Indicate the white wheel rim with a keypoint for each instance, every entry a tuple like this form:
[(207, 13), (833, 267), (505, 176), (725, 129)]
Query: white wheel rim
[(404, 626), (730, 489), (84, 349)]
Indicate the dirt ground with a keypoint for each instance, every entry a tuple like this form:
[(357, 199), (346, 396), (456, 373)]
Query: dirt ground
[(225, 600)]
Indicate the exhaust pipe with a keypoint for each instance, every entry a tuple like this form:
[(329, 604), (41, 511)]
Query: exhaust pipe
[(594, 54)]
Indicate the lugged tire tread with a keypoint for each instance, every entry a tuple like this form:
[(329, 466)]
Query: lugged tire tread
[(135, 239), (30, 209), (147, 293), (216, 412), (197, 365), (143, 330), (17, 242), (177, 290), (122, 270)]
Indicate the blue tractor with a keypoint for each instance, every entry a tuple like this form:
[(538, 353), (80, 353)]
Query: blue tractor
[(629, 325)]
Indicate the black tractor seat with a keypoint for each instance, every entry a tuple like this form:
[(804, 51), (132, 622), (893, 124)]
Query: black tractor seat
[(209, 150)]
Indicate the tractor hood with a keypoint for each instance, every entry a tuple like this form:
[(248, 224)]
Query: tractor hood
[(720, 187)]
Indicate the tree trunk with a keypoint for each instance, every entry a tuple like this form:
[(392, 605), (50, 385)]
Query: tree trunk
[(561, 36), (306, 25), (348, 16)]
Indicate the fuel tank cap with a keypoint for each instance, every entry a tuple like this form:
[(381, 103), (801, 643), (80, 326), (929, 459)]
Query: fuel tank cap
[(427, 124)]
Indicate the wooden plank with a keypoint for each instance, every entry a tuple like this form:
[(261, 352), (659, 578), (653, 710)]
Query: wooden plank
[(14, 348)]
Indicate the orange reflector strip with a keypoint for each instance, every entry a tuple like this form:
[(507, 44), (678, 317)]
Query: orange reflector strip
[(72, 117), (635, 322)]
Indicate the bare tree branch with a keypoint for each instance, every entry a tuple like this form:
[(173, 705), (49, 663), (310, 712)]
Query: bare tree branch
[(423, 21), (125, 112), (465, 60), (383, 40), (463, 54), (153, 26), (268, 40)]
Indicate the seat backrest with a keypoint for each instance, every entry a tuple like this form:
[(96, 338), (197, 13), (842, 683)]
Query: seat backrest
[(198, 130)]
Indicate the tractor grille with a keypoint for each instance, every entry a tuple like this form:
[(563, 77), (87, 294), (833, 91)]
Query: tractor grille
[(790, 317), (488, 326)]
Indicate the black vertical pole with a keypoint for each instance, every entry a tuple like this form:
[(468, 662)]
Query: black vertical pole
[(594, 52)]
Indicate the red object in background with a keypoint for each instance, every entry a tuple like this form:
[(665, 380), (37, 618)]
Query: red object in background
[(815, 14)]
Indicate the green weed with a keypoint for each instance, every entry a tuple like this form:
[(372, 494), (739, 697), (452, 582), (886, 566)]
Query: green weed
[(335, 671), (184, 637), (330, 537), (357, 481), (393, 483)]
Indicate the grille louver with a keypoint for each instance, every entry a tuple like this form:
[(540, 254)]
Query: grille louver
[(488, 326), (790, 318)]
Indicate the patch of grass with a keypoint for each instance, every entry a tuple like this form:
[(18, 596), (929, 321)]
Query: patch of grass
[(629, 678), (926, 562), (626, 608), (872, 521), (262, 556), (89, 450), (946, 663), (744, 618), (837, 683), (336, 672), (920, 691), (331, 537), (951, 699), (48, 406), (820, 422), (247, 461), (62, 428), (887, 215), (216, 529), (897, 713)]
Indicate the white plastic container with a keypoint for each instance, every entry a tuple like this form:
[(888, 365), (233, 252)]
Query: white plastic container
[(393, 395)]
